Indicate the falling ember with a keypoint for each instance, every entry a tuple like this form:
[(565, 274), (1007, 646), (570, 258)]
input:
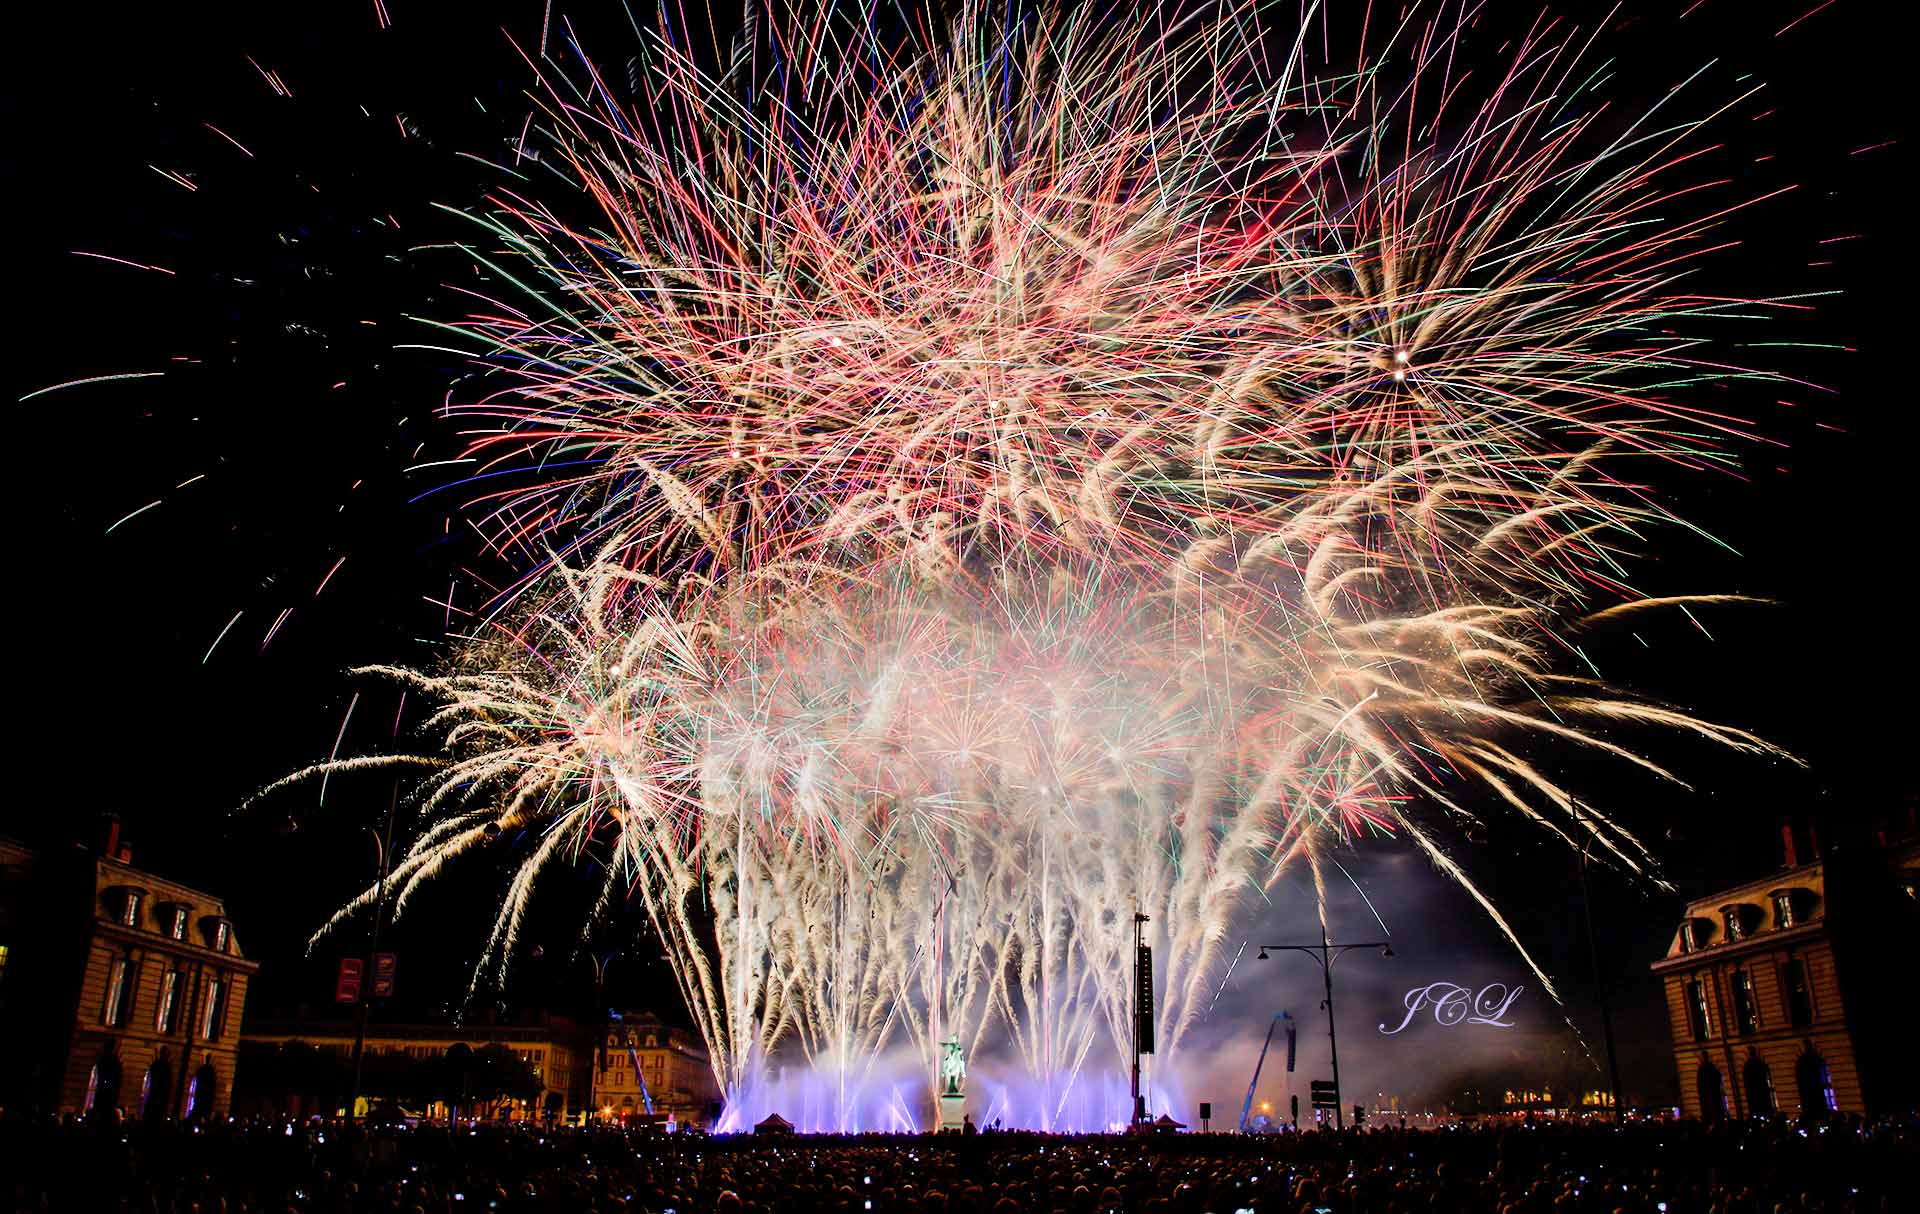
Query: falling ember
[(985, 489)]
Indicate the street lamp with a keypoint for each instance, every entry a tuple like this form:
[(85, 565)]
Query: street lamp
[(604, 1018), (383, 846), (1141, 987), (1599, 972), (1326, 953)]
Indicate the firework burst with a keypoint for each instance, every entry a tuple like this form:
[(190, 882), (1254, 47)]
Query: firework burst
[(973, 488)]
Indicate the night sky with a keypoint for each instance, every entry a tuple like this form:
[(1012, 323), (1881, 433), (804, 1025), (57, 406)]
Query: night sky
[(296, 236)]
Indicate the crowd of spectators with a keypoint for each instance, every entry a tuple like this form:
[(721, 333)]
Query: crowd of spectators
[(282, 1167)]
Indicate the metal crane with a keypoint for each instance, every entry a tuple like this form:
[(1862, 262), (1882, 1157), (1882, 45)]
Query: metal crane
[(1246, 1110)]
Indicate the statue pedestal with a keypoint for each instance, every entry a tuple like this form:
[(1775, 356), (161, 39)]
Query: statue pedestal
[(953, 1112)]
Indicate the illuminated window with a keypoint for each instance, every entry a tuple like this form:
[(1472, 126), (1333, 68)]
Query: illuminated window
[(3, 967), (1816, 1087), (1698, 1016), (177, 928), (1746, 1012), (163, 1016), (119, 988), (1736, 928), (222, 933), (93, 1088), (130, 909), (214, 1009), (1689, 935), (200, 1093)]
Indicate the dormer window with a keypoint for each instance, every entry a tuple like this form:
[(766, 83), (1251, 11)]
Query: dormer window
[(1737, 918), (217, 932), (177, 922), (130, 908), (1790, 906), (1694, 934)]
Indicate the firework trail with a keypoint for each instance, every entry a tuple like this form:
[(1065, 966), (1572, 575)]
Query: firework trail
[(974, 487)]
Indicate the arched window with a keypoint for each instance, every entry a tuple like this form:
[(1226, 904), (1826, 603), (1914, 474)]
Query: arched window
[(1713, 1094), (1815, 1082), (103, 1086), (200, 1093), (1759, 1081), (154, 1088)]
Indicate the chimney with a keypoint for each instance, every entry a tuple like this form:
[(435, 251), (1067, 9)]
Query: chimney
[(114, 850), (1799, 843)]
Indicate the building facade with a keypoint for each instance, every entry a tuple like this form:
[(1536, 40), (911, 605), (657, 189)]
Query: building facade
[(556, 1050), (1784, 994), (646, 1070), (126, 989)]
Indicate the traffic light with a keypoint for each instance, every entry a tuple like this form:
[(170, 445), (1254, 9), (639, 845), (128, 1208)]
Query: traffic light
[(1359, 1115), (1294, 1100)]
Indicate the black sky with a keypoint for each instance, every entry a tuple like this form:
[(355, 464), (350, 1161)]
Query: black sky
[(297, 263)]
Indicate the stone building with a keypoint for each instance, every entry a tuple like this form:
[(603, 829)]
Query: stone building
[(642, 1060), (556, 1050), (1785, 994), (120, 988)]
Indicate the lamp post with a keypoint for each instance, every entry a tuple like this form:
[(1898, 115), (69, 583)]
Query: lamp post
[(1599, 976), (383, 845), (1139, 951), (1326, 953), (603, 1016)]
